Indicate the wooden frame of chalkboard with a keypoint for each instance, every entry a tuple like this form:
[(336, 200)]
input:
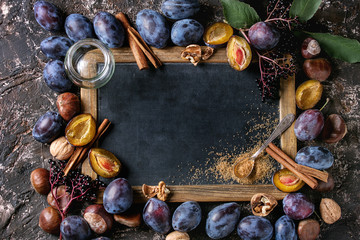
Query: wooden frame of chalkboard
[(200, 193)]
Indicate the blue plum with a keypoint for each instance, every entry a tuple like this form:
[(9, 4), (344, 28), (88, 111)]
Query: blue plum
[(47, 127), (309, 125), (255, 227), (75, 227), (285, 229), (180, 9), (263, 36), (55, 77), (79, 27), (185, 32), (109, 30), (48, 16), (222, 220), (118, 196), (55, 47), (187, 216), (297, 206), (153, 28), (315, 157), (157, 215), (101, 238)]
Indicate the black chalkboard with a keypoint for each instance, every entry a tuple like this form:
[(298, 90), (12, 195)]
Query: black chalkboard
[(165, 121)]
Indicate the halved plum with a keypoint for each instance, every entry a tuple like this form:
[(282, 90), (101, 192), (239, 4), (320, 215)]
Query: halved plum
[(286, 181), (104, 163), (238, 52), (218, 34), (81, 130)]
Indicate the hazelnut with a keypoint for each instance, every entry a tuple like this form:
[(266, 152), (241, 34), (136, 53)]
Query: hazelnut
[(39, 179), (318, 69), (50, 220), (68, 105), (98, 218), (61, 149), (262, 204), (330, 211), (310, 48), (326, 186), (192, 53), (176, 235), (334, 129), (129, 218), (308, 229), (160, 191), (61, 194)]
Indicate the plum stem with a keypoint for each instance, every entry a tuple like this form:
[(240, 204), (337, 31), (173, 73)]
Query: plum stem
[(326, 103)]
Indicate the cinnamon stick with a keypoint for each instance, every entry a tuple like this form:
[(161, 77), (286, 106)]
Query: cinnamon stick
[(80, 152), (144, 47), (136, 50), (311, 172), (321, 175), (308, 180)]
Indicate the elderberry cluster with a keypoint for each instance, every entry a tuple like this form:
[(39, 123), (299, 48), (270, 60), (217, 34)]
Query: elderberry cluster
[(81, 187), (277, 10), (273, 67)]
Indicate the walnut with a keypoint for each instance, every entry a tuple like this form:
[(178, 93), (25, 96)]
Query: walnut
[(61, 149), (160, 191), (208, 52), (192, 53), (330, 211), (262, 204)]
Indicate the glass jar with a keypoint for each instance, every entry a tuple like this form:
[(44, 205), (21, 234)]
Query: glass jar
[(89, 63)]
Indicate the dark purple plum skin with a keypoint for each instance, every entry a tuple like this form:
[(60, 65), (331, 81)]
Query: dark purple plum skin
[(48, 127), (185, 32), (309, 125), (101, 238), (315, 157), (48, 16), (75, 227), (285, 229), (180, 9), (222, 220), (153, 28), (118, 196), (255, 227), (263, 36), (109, 30), (187, 216), (79, 27), (157, 215), (55, 77), (55, 47), (297, 206)]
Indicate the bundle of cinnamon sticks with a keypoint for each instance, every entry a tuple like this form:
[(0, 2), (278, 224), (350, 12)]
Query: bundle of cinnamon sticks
[(138, 46), (80, 153), (307, 174)]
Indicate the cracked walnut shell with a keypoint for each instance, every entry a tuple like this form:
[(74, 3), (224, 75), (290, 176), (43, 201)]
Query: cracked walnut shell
[(61, 149), (262, 204), (160, 191)]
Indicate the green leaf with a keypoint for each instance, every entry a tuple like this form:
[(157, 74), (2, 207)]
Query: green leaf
[(345, 49), (239, 14), (304, 9)]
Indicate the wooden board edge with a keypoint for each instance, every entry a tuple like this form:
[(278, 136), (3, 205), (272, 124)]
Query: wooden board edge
[(287, 105), (203, 193), (213, 193)]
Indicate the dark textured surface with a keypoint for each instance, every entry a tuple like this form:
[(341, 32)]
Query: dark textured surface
[(24, 97), (167, 118)]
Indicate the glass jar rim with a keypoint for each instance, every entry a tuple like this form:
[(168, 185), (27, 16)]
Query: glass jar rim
[(106, 52)]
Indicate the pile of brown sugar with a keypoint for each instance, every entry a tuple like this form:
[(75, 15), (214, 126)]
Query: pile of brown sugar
[(222, 167), (219, 167)]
